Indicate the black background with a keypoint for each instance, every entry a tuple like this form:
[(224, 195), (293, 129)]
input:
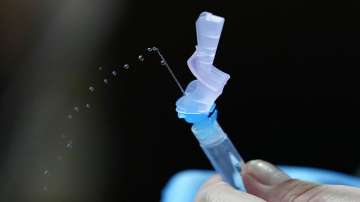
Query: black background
[(293, 97)]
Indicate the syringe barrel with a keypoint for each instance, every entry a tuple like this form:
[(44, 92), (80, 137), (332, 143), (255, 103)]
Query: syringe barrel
[(221, 152)]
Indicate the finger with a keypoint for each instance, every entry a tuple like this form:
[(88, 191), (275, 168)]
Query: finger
[(216, 190), (270, 183)]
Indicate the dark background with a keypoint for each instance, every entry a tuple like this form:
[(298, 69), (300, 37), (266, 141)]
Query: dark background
[(293, 97)]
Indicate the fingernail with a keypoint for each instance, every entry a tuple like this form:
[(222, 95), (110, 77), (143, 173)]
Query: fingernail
[(265, 172)]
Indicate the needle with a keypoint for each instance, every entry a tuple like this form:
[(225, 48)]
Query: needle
[(164, 62)]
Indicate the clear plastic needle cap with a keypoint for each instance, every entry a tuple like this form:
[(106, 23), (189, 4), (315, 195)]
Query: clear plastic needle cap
[(201, 94)]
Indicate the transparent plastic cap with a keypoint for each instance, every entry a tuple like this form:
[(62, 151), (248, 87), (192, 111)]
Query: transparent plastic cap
[(201, 94), (208, 30)]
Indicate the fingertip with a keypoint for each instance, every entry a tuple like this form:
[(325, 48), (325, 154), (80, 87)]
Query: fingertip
[(253, 186), (265, 172), (260, 176)]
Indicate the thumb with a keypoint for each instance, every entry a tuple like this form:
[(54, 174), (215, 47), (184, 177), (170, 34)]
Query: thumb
[(270, 183)]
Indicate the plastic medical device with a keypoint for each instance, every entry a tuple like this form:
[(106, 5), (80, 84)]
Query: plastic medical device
[(197, 105)]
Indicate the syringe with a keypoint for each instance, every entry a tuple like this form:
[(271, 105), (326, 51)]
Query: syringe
[(197, 105)]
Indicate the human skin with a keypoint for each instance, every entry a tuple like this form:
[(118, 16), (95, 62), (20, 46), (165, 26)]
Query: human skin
[(265, 182)]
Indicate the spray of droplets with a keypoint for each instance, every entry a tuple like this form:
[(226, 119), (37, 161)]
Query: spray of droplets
[(66, 139)]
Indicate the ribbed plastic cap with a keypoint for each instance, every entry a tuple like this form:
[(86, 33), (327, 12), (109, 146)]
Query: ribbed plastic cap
[(201, 94)]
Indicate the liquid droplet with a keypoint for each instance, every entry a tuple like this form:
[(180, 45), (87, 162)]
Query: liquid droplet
[(114, 73), (87, 106), (154, 48), (46, 172), (126, 66), (149, 49), (77, 109), (100, 68), (141, 58), (69, 145), (162, 62), (69, 116), (106, 81), (91, 89)]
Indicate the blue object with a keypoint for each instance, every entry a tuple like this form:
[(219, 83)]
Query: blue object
[(183, 186)]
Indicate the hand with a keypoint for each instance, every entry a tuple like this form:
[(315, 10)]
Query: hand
[(265, 182)]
